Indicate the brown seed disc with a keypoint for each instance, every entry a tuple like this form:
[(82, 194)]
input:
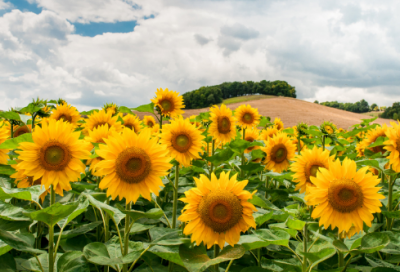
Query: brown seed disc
[(181, 142), (279, 153), (224, 125), (345, 195), (133, 165), (54, 156)]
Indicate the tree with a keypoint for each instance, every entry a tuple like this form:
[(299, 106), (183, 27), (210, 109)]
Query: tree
[(395, 116), (316, 102), (373, 106)]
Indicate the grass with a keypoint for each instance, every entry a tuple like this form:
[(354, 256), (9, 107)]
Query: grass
[(246, 98), (373, 113)]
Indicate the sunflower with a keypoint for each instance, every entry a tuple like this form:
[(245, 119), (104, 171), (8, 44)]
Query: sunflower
[(278, 123), (223, 124), (250, 136), (5, 125), (113, 108), (99, 118), (168, 102), (4, 134), (350, 233), (132, 166), (132, 122), (23, 181), (20, 130), (217, 210), (307, 165), (344, 196), (360, 149), (55, 155), (182, 140), (247, 116), (268, 133), (328, 128), (149, 121), (66, 113), (372, 136), (393, 145), (279, 149)]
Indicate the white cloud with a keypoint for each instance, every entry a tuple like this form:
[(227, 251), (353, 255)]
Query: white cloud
[(327, 50), (4, 5)]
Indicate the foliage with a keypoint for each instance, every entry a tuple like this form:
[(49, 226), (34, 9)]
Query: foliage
[(390, 112), (359, 107)]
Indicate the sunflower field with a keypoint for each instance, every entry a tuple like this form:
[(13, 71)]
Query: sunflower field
[(104, 190)]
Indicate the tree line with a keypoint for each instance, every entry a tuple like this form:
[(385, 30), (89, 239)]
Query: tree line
[(359, 106), (211, 95), (392, 112)]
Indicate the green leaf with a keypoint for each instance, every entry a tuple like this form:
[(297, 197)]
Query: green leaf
[(240, 145), (262, 218), (379, 141), (145, 108), (250, 242), (10, 115), (31, 194), (12, 213), (31, 108), (52, 214), (8, 263), (295, 224), (221, 157), (13, 143), (196, 259), (169, 253), (124, 109), (82, 207), (274, 236), (260, 201), (252, 167), (339, 245), (319, 256), (257, 154), (6, 170), (137, 227), (391, 214), (373, 242), (114, 213), (135, 215), (82, 186), (313, 132), (13, 225), (78, 230), (97, 253), (73, 261), (159, 234), (21, 242), (255, 269), (4, 248)]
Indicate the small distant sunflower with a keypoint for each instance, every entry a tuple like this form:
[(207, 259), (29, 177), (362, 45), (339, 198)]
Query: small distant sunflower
[(268, 133), (55, 155), (344, 196), (169, 102), (301, 129), (328, 128), (372, 136), (247, 117), (99, 118), (132, 122), (4, 134), (111, 107), (393, 145), (250, 136), (279, 149), (278, 124), (66, 113), (217, 210), (223, 124), (149, 121), (182, 140), (307, 165), (20, 130), (132, 165)]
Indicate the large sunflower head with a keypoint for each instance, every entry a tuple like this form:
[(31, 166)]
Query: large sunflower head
[(66, 113), (251, 135), (393, 146), (20, 130), (169, 103), (328, 128), (307, 165), (132, 122), (182, 140), (99, 118), (217, 210), (279, 149), (247, 117), (344, 196), (4, 134), (149, 121), (55, 155), (278, 124), (223, 124), (268, 133), (132, 165), (372, 136)]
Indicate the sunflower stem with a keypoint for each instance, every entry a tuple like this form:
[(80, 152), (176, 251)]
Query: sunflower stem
[(323, 142), (229, 265), (126, 233), (340, 255), (212, 154), (160, 122), (175, 203), (12, 129), (241, 170), (216, 253), (298, 145), (259, 257), (107, 224), (33, 121), (51, 233), (391, 182), (305, 247)]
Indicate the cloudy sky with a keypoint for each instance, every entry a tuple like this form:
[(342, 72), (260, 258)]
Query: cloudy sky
[(96, 51)]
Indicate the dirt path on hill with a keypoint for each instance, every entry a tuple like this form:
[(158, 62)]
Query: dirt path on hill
[(293, 111)]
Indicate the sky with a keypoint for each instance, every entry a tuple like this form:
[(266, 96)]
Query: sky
[(94, 52)]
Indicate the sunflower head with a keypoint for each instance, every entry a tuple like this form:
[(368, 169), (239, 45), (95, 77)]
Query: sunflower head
[(371, 137), (66, 113), (328, 128), (182, 140), (217, 210), (149, 121), (268, 133), (279, 149), (223, 124), (20, 130), (344, 196), (4, 135), (99, 118), (393, 146), (132, 122), (111, 107), (247, 117), (168, 103), (278, 124), (301, 129), (252, 135)]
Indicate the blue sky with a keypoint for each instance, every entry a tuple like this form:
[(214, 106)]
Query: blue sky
[(91, 52)]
